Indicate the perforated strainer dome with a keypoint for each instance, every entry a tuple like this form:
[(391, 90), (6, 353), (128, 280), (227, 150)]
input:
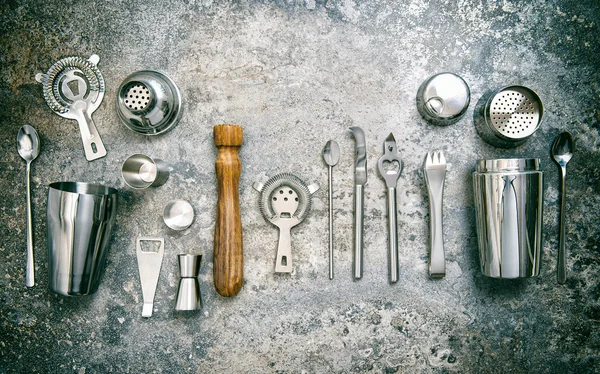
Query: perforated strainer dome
[(515, 112), (149, 102), (137, 97)]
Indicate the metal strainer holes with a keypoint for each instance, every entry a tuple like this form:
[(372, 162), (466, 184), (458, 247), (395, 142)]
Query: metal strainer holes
[(137, 97), (514, 113)]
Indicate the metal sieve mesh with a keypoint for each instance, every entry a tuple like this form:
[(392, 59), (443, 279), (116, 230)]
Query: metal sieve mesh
[(515, 112), (137, 97)]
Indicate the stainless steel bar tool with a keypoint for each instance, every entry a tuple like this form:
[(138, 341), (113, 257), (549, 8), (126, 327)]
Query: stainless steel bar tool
[(74, 88), (80, 219), (562, 152), (390, 168), (178, 214), (508, 117), (331, 155), (443, 99), (508, 210), (140, 171), (285, 201), (360, 178), (149, 264), (435, 175), (28, 145), (149, 103), (188, 293)]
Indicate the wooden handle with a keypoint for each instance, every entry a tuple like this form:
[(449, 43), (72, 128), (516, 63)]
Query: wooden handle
[(228, 268)]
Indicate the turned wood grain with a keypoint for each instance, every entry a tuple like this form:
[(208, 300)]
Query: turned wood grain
[(228, 270)]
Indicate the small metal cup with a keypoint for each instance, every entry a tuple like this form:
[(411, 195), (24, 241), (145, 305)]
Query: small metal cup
[(80, 218), (188, 294), (140, 171)]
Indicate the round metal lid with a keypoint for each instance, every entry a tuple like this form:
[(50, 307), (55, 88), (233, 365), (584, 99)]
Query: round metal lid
[(178, 214), (443, 98)]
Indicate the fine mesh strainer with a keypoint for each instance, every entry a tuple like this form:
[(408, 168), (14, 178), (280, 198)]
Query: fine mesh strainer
[(509, 116), (285, 201), (149, 103)]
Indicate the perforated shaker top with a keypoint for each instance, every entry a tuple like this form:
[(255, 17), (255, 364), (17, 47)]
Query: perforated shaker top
[(515, 112)]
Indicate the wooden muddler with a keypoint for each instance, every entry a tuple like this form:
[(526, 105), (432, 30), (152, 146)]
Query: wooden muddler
[(228, 267)]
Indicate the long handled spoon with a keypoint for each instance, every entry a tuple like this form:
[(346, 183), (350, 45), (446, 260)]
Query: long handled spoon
[(28, 145), (562, 151), (331, 155)]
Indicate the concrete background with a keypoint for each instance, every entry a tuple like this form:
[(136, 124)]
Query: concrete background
[(295, 74)]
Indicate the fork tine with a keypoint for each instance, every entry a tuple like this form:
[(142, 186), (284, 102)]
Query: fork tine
[(428, 159), (442, 158)]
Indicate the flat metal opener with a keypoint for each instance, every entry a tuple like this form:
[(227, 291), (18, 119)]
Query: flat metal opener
[(390, 168)]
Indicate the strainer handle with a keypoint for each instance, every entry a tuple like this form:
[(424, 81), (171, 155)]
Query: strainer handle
[(92, 144)]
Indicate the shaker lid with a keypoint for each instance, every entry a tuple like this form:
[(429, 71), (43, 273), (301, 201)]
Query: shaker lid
[(444, 96), (508, 165)]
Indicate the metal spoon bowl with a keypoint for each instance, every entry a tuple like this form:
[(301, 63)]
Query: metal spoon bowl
[(562, 152), (28, 145)]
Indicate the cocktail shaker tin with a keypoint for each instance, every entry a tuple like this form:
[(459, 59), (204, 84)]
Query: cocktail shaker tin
[(508, 202)]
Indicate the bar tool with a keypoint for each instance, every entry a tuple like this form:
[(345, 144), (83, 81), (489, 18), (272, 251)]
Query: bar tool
[(228, 269), (80, 219), (285, 201), (360, 178), (73, 88), (178, 215), (28, 145), (435, 175), (149, 103), (188, 293), (390, 168), (149, 264), (140, 171), (509, 116), (508, 210), (331, 155), (562, 152), (443, 99)]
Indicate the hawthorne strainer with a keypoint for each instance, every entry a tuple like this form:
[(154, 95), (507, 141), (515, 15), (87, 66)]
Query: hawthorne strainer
[(285, 201), (509, 116), (73, 88)]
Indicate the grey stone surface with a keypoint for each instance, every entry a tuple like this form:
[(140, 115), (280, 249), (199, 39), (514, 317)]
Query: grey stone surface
[(296, 74)]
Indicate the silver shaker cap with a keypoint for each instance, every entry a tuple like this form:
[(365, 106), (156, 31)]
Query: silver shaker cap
[(443, 99)]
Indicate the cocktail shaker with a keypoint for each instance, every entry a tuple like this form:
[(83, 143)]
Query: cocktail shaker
[(508, 203)]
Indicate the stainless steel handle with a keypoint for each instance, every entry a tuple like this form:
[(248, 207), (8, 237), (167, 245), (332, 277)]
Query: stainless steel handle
[(358, 230), (330, 223), (29, 267), (437, 258), (284, 250), (92, 144), (561, 271), (393, 235)]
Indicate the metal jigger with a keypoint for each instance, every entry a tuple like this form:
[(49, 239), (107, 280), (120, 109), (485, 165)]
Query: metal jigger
[(188, 295)]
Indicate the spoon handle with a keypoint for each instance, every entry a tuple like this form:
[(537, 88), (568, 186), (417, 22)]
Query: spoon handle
[(29, 268), (562, 256), (330, 222)]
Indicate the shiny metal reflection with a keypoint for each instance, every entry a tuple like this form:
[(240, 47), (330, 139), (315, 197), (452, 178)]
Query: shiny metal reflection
[(508, 203), (80, 218), (188, 294), (140, 171)]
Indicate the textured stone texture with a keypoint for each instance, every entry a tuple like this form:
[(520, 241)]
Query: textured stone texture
[(296, 74)]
